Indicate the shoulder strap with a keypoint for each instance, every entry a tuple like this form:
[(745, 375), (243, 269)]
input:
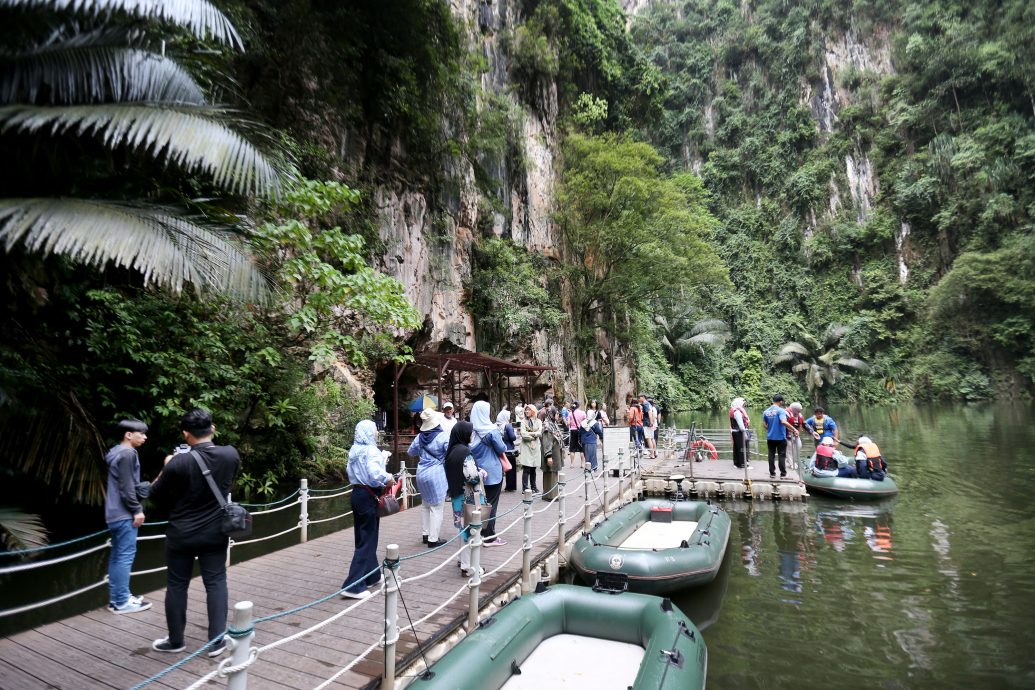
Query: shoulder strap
[(207, 474)]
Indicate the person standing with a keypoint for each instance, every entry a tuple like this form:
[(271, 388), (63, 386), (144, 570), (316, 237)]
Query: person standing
[(530, 455), (590, 430), (195, 528), (552, 448), (124, 515), (796, 420), (430, 446), (575, 420), (369, 480), (739, 425), (448, 418), (777, 431), (510, 440), (486, 448), (634, 415), (648, 429), (457, 452), (822, 426)]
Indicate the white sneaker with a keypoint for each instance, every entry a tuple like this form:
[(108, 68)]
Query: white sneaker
[(130, 607), (346, 594)]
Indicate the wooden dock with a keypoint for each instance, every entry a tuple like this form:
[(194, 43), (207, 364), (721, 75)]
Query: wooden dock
[(101, 650)]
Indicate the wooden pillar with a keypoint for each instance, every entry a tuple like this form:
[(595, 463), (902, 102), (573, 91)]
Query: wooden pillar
[(395, 400)]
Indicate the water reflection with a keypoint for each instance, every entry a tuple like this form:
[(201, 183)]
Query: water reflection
[(842, 524)]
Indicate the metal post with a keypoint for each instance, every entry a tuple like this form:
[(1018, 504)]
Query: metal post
[(587, 476), (391, 612), (242, 633), (560, 516), (526, 544), (621, 475), (603, 473), (473, 585), (303, 517)]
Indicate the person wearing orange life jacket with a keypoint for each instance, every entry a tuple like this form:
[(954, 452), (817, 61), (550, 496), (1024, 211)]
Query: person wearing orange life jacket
[(823, 462), (739, 424), (869, 463)]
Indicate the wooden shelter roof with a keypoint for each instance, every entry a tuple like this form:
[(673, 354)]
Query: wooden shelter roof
[(466, 360)]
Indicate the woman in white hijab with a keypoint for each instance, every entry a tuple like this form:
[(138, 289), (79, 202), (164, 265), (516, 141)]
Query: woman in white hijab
[(486, 447), (739, 424)]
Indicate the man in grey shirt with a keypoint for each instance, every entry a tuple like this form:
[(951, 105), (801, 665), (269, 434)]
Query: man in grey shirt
[(124, 515)]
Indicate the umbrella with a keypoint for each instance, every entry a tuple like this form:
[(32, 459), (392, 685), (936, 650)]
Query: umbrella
[(424, 402)]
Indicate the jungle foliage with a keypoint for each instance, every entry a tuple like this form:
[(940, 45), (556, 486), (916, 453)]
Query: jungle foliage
[(945, 138)]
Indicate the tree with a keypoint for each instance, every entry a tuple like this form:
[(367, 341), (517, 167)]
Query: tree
[(819, 360), (685, 331), (106, 133)]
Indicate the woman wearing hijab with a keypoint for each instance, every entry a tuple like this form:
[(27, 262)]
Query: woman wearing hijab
[(486, 448), (369, 479), (510, 440), (430, 447), (530, 455), (739, 424), (457, 452), (590, 429)]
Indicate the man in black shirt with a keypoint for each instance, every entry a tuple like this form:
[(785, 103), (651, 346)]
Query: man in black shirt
[(195, 529)]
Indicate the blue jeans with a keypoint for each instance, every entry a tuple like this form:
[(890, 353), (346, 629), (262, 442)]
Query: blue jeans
[(120, 562)]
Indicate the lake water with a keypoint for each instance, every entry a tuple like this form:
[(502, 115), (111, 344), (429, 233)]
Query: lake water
[(932, 589)]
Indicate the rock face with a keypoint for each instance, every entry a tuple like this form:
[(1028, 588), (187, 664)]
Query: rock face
[(430, 251)]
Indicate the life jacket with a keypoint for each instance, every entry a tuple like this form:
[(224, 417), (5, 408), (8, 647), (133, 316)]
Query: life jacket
[(825, 458), (796, 420), (875, 463), (733, 421)]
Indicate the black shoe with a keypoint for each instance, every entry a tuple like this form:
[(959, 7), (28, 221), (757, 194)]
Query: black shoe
[(217, 648), (772, 475), (425, 538), (164, 645), (433, 544), (783, 476)]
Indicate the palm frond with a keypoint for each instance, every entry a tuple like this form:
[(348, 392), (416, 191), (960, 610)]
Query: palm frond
[(853, 363), (167, 250), (716, 326), (190, 138), (815, 377), (200, 17), (20, 530), (802, 366), (833, 335), (711, 339), (793, 348), (69, 73)]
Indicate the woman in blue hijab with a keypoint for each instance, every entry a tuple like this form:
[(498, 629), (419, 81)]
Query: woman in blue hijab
[(369, 480)]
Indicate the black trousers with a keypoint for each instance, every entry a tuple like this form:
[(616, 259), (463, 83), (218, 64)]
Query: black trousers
[(180, 560), (510, 476), (777, 448), (739, 448), (528, 474), (492, 497), (366, 525)]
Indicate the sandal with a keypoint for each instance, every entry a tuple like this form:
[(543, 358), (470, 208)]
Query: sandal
[(495, 542)]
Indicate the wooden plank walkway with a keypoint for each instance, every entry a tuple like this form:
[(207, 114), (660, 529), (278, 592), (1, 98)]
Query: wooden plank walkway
[(99, 650)]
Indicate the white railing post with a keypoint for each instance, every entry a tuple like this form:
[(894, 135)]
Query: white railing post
[(303, 515), (560, 517), (474, 584), (603, 473), (392, 585), (587, 475), (526, 544), (241, 635)]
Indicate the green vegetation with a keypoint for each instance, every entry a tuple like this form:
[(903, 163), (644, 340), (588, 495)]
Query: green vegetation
[(948, 137), (819, 361)]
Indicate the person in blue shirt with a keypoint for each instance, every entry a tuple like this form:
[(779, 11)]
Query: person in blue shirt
[(821, 426), (486, 448), (777, 430), (430, 447)]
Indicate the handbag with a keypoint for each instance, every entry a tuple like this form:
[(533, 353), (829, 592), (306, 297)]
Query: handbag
[(237, 521), (507, 467), (387, 503)]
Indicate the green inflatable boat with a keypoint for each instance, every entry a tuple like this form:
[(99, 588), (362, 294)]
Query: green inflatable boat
[(654, 547), (568, 636), (848, 487)]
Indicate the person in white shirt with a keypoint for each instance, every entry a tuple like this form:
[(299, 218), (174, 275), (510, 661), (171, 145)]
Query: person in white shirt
[(448, 421)]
